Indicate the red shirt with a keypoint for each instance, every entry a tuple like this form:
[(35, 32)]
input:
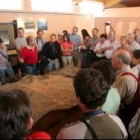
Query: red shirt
[(66, 45), (29, 55), (39, 135)]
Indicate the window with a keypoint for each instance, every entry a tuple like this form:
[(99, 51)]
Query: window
[(52, 5), (132, 26), (11, 4), (92, 8)]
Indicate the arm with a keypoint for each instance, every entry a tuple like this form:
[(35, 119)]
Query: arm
[(71, 47), (121, 86), (79, 42), (44, 50), (18, 48), (98, 50), (107, 48), (63, 49), (22, 56), (59, 51)]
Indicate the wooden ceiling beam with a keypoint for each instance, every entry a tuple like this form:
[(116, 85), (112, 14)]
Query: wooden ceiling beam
[(109, 3)]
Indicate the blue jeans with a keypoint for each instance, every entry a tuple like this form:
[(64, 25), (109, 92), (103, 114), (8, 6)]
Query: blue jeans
[(30, 69), (53, 65), (10, 73)]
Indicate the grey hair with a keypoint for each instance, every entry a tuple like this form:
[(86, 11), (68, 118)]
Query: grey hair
[(125, 57)]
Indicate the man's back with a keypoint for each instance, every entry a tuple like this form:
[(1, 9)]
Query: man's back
[(105, 127), (126, 85)]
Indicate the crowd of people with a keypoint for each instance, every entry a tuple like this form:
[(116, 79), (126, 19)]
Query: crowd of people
[(106, 86)]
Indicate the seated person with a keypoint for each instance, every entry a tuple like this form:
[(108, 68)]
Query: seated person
[(91, 91), (5, 66), (15, 117), (112, 103)]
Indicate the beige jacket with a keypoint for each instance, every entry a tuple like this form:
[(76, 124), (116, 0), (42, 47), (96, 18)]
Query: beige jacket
[(126, 85)]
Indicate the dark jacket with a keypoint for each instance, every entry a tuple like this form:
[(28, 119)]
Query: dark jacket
[(52, 50)]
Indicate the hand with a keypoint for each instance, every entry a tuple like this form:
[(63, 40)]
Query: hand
[(21, 60), (110, 48), (135, 61), (99, 52), (56, 60), (39, 61)]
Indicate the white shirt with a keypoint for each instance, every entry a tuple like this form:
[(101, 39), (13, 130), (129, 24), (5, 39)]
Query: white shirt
[(99, 46), (115, 44), (136, 70), (134, 46), (39, 44)]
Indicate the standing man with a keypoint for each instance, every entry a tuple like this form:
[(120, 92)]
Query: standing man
[(76, 40), (52, 51), (20, 42), (29, 56), (125, 83), (39, 40), (91, 90), (91, 44), (132, 43), (39, 43), (136, 34), (93, 40), (5, 67), (113, 45)]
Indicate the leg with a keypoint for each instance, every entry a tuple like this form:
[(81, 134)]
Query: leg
[(56, 64), (2, 75), (69, 60), (10, 72), (50, 66), (28, 69), (75, 58), (64, 60), (34, 69)]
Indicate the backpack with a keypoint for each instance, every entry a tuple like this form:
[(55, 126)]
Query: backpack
[(128, 112)]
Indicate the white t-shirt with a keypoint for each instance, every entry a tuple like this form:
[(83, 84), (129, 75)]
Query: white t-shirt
[(134, 46), (99, 46), (109, 53)]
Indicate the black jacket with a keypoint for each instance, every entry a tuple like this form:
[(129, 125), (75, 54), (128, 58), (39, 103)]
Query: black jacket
[(52, 50)]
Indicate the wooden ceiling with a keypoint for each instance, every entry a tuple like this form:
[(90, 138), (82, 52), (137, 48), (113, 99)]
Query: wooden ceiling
[(116, 3)]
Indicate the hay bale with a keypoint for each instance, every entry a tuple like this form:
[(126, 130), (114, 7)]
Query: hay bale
[(53, 91)]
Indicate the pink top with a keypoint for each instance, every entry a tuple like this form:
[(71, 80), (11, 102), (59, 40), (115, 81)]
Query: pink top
[(66, 45)]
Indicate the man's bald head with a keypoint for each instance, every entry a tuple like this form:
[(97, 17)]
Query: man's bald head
[(121, 58), (124, 56)]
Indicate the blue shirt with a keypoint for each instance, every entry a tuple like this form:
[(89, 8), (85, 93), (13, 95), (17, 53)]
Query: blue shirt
[(75, 39)]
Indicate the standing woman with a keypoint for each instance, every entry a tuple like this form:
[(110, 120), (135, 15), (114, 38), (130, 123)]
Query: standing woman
[(84, 60), (29, 56), (67, 49), (5, 67)]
